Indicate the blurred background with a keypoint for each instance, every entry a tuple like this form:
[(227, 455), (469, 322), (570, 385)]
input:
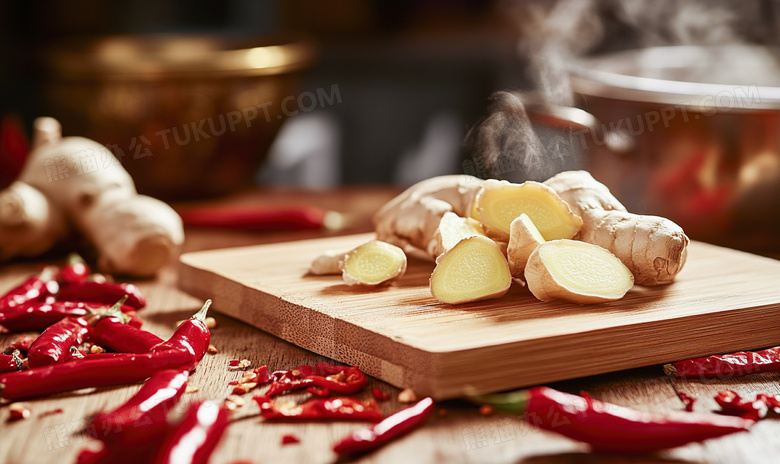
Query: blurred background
[(199, 99)]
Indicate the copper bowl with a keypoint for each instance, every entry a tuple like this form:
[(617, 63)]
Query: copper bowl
[(188, 116)]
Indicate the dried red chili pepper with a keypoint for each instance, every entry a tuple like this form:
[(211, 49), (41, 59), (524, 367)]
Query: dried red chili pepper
[(76, 271), (196, 437), (131, 454), (105, 293), (11, 362), (611, 428), (54, 344), (111, 332), (191, 336), (40, 315), (344, 380), (93, 371), (35, 288), (730, 365), (144, 414), (338, 408), (391, 427), (732, 404)]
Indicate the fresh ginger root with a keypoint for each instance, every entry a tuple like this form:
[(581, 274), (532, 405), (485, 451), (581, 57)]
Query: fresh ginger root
[(500, 202), (652, 247), (29, 223), (474, 269), (576, 271), (452, 229), (524, 237), (373, 263), (132, 233), (411, 218)]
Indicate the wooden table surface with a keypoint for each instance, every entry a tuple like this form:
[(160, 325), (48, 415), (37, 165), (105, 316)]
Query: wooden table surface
[(455, 433)]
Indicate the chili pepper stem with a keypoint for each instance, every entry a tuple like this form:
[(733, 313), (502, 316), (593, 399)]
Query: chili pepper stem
[(75, 258), (515, 402), (116, 311), (17, 357), (201, 314), (47, 273)]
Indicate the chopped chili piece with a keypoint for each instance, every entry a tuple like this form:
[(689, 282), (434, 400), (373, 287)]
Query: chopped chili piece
[(193, 336), (486, 410), (40, 315), (234, 382), (732, 404), (33, 289), (379, 395), (343, 380), (94, 371), (11, 362), (196, 437), (772, 401), (730, 365), (687, 400), (339, 408), (393, 426), (105, 293), (407, 395), (611, 428), (54, 344), (262, 375), (290, 439), (76, 271), (144, 414), (18, 411), (233, 363)]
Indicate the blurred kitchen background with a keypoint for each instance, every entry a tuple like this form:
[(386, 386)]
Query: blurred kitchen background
[(380, 92)]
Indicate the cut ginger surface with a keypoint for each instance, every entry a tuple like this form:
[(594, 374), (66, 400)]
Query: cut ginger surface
[(474, 269)]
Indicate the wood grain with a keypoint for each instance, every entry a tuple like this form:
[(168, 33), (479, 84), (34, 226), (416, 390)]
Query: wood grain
[(724, 300)]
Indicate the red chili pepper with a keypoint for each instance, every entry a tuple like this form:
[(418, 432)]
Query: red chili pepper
[(11, 362), (191, 336), (339, 408), (196, 437), (106, 293), (610, 428), (76, 271), (131, 454), (33, 289), (144, 414), (54, 344), (343, 380), (118, 369), (392, 426), (730, 365), (732, 404), (111, 332), (40, 315)]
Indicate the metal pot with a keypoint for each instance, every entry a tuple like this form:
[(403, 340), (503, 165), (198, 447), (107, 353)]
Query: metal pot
[(690, 133)]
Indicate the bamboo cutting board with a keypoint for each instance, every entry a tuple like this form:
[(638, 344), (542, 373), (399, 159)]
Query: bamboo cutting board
[(723, 300)]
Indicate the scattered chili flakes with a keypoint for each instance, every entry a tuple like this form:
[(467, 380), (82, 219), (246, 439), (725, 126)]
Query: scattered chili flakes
[(233, 362), (18, 411), (379, 395), (486, 410), (290, 439), (234, 401), (732, 404), (210, 322), (212, 349), (407, 395), (240, 390), (51, 413), (190, 389), (95, 349), (687, 400), (262, 374), (233, 382)]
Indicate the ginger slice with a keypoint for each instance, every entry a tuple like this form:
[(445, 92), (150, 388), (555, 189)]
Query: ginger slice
[(500, 202), (524, 237), (452, 229), (576, 271), (373, 263), (474, 269)]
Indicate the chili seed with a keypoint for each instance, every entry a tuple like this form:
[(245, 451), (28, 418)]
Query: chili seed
[(212, 349), (210, 322), (407, 395)]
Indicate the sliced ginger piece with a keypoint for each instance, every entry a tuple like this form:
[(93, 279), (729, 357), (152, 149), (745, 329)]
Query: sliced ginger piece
[(499, 202), (576, 271), (524, 237), (452, 229), (328, 262), (373, 263), (474, 269)]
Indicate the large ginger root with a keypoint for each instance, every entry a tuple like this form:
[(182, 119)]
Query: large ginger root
[(499, 202), (411, 218), (133, 234), (652, 247), (29, 223), (474, 269), (576, 271), (373, 263), (524, 238), (452, 229)]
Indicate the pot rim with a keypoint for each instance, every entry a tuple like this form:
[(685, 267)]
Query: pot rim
[(610, 76)]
